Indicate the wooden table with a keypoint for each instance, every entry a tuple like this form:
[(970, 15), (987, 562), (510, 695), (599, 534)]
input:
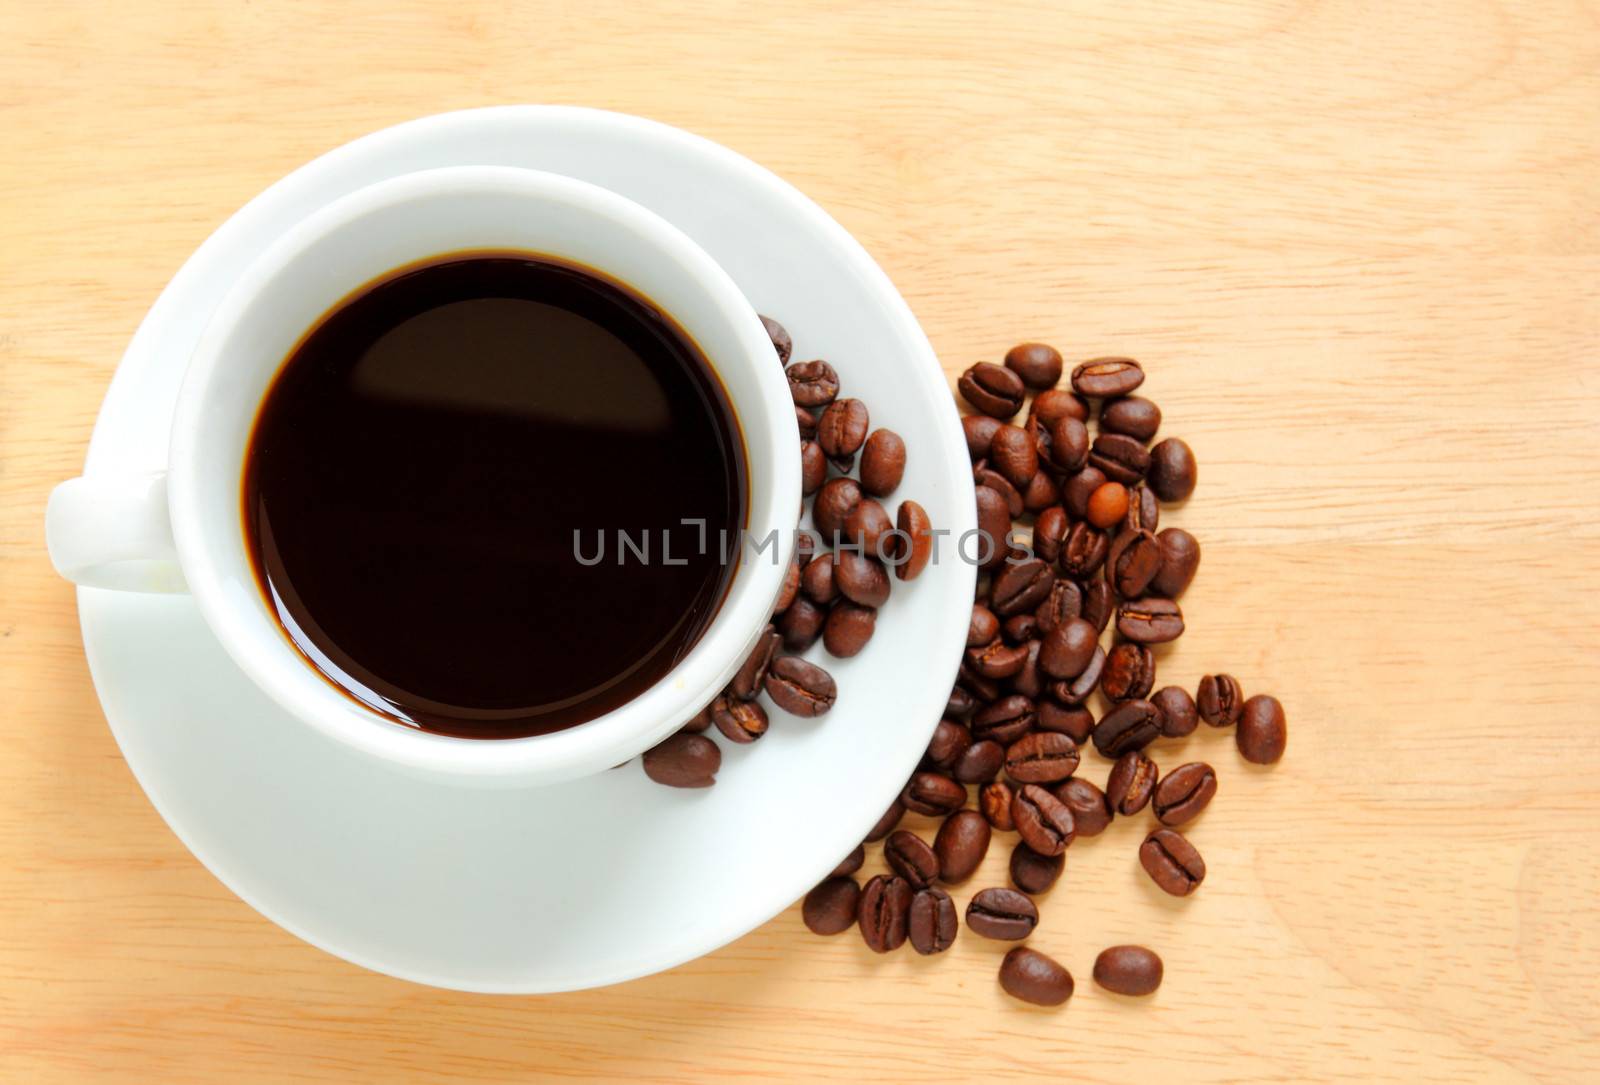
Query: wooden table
[(1358, 247)]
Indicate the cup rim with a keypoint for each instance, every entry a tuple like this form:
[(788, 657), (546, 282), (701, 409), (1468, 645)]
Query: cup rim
[(246, 631)]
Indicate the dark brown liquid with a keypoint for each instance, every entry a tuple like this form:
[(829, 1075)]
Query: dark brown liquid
[(421, 464)]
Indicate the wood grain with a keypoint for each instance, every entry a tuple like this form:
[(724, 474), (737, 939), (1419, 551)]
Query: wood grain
[(1356, 243)]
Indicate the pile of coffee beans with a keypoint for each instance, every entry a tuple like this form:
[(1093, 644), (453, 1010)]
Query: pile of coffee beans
[(1069, 500), (832, 590)]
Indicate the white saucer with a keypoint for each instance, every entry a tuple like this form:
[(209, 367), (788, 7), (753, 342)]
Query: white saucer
[(604, 879)]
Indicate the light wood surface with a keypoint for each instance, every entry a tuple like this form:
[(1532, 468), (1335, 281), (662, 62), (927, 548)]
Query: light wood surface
[(1356, 243)]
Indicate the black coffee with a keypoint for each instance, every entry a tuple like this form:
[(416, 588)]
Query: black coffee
[(424, 459)]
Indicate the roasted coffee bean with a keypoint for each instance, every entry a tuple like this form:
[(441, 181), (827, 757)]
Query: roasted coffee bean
[(780, 338), (1019, 629), (1219, 700), (1043, 820), (805, 421), (1150, 620), (1172, 862), (1021, 587), (801, 624), (1063, 604), (1049, 529), (813, 467), (933, 793), (1121, 458), (1073, 721), (1012, 453), (994, 525), (1069, 445), (932, 925), (994, 802), (842, 429), (1179, 717), (979, 431), (1108, 505), (960, 845), (860, 579), (1091, 811), (805, 546), (912, 542), (984, 475), (992, 389), (1131, 783), (1068, 648), (868, 526), (1076, 491), (1030, 680), (983, 627), (1144, 511), (1040, 494), (1040, 432), (959, 704), (1131, 725), (980, 762), (883, 913), (748, 679), (1075, 691), (1098, 604), (1263, 730), (1001, 913), (699, 723), (816, 580), (1083, 551), (791, 585), (909, 856), (1038, 365), (1133, 415), (831, 907), (848, 628), (850, 864), (1180, 559), (1032, 872), (886, 824), (1041, 758), (812, 384), (1133, 562), (1029, 975), (1128, 970), (1172, 470), (997, 659), (950, 740), (799, 687), (832, 506), (1130, 672), (1107, 377), (739, 721), (1184, 792), (1005, 720), (1054, 403), (683, 760), (883, 462), (983, 689)]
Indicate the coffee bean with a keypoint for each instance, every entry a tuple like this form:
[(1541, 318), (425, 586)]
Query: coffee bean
[(1054, 403), (848, 628), (739, 721), (1121, 458), (748, 679), (1219, 700), (1098, 604), (1029, 975), (1075, 691), (1005, 720), (932, 924), (779, 336), (983, 689), (1032, 872), (1180, 559), (1083, 550), (1091, 811), (683, 760), (1021, 587), (1144, 511), (1012, 453), (997, 659), (698, 723), (1150, 620), (1133, 415), (983, 627), (933, 793), (1049, 529), (1019, 629), (1131, 725), (831, 907), (1108, 505), (1030, 680), (805, 546), (992, 389), (1179, 717), (1128, 970), (950, 740), (994, 525), (1073, 721), (1069, 445), (913, 541), (799, 687), (868, 526), (1172, 862), (1001, 913), (1042, 820), (850, 864), (979, 432), (860, 579), (1263, 730), (1041, 758), (1079, 488), (1172, 470), (1107, 377), (1063, 604), (1130, 672), (1184, 792), (843, 428), (1131, 783), (909, 856), (885, 826), (980, 762), (1133, 562), (984, 475), (1068, 648), (883, 913), (791, 585), (959, 704), (1038, 365), (816, 580), (812, 384), (883, 462), (1040, 494), (832, 506), (805, 421), (813, 467), (801, 624), (960, 845)]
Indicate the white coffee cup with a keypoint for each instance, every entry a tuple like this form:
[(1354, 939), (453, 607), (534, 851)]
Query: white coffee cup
[(183, 531)]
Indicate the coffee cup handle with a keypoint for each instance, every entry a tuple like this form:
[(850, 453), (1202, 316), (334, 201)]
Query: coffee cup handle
[(113, 532)]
